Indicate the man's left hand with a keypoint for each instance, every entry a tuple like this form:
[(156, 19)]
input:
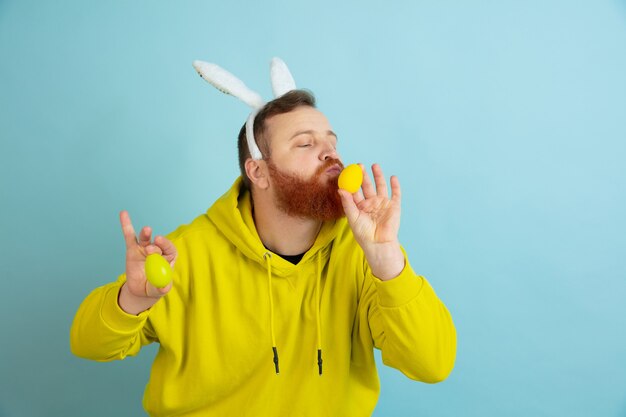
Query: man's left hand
[(375, 221)]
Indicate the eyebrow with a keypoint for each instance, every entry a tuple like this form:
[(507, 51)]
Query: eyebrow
[(311, 132)]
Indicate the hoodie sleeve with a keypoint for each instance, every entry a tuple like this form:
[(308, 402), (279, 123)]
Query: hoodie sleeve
[(102, 331), (410, 325)]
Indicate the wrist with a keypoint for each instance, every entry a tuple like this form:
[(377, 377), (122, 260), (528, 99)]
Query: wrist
[(132, 304), (386, 261)]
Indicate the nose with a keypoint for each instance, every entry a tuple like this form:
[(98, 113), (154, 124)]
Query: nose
[(328, 152)]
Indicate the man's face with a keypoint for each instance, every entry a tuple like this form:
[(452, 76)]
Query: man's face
[(304, 164)]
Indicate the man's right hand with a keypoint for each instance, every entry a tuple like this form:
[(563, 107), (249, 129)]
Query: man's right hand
[(137, 294)]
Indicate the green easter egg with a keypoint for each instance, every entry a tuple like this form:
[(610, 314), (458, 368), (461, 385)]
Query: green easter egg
[(158, 270)]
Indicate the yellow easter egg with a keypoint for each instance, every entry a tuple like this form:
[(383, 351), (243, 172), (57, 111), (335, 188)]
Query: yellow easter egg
[(351, 178), (158, 270)]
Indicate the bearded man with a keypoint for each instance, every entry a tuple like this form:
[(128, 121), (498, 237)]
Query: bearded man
[(282, 289)]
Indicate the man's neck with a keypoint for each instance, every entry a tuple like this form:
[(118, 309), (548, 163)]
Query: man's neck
[(281, 233)]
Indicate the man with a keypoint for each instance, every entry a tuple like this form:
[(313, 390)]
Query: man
[(281, 291)]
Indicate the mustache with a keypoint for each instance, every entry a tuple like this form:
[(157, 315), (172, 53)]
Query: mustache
[(329, 163)]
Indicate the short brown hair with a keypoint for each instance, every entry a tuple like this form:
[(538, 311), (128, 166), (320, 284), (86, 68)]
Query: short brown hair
[(283, 104)]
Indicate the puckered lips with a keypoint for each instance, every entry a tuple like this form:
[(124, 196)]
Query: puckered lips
[(334, 170)]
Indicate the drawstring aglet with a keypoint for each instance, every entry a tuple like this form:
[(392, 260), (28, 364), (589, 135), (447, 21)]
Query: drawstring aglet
[(319, 360), (276, 359)]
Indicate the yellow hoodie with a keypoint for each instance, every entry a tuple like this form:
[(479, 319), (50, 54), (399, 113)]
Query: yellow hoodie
[(233, 301)]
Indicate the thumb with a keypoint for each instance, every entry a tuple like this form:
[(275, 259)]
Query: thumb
[(349, 206)]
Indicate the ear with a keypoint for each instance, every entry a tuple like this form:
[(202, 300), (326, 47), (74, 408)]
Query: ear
[(258, 173)]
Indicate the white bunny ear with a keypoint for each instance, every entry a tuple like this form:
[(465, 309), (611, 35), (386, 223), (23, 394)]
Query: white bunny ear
[(228, 83), (255, 152), (282, 81)]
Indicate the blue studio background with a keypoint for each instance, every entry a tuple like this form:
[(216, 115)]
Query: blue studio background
[(504, 120)]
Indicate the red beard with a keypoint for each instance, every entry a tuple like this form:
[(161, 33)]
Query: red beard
[(315, 198)]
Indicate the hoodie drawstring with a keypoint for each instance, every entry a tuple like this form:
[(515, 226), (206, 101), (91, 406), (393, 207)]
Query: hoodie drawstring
[(317, 307), (267, 256)]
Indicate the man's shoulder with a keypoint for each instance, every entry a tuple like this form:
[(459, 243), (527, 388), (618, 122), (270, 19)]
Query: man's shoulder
[(204, 224), (200, 226)]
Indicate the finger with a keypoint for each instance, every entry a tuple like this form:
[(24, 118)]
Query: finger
[(167, 247), (154, 292), (368, 187), (150, 249), (396, 194), (163, 291), (358, 197), (145, 236), (127, 229), (379, 179), (349, 207)]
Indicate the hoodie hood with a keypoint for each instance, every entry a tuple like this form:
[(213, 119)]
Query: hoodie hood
[(232, 215)]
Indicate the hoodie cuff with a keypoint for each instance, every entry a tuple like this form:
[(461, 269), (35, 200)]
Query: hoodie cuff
[(116, 318), (401, 289)]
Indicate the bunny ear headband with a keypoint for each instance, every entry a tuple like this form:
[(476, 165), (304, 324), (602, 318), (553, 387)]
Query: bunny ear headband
[(282, 82)]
